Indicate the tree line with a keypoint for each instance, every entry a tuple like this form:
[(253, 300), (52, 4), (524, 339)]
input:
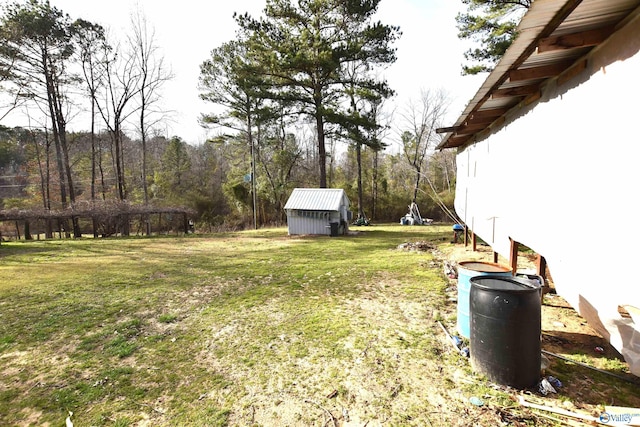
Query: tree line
[(299, 101)]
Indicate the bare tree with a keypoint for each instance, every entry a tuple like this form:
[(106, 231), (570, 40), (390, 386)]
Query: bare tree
[(91, 41), (384, 119), (153, 74), (278, 153), (122, 84), (418, 132)]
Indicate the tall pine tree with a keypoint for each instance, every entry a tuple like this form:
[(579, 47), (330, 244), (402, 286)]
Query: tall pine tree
[(305, 47)]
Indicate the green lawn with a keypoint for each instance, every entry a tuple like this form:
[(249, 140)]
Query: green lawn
[(251, 328)]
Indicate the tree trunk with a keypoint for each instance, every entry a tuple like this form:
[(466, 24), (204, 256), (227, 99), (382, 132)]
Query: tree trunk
[(145, 190), (56, 132), (60, 128), (67, 167), (374, 185), (359, 162), (145, 218), (44, 175), (59, 163), (103, 185), (93, 149), (253, 168), (322, 153), (118, 161), (417, 186)]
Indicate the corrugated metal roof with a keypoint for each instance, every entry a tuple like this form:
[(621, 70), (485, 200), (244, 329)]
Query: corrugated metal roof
[(553, 38), (316, 199)]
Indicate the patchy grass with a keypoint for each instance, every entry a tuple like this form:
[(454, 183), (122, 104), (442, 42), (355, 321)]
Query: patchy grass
[(251, 328)]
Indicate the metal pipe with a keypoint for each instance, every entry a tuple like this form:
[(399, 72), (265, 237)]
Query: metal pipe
[(620, 377)]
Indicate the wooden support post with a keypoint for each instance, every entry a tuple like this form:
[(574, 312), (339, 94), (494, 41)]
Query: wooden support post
[(474, 242), (27, 230), (495, 257), (466, 236), (541, 266), (513, 255)]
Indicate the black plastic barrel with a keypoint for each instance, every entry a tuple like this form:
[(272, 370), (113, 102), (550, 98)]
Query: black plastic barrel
[(505, 330)]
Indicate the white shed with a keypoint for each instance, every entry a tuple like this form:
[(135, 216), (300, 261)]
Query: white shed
[(318, 211), (549, 138)]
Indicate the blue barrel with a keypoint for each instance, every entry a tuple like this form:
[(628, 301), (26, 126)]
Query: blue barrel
[(505, 330), (467, 270)]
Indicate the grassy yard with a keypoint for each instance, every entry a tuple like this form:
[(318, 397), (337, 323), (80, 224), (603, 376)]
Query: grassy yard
[(239, 329)]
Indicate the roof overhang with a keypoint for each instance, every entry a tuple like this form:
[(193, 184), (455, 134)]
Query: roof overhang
[(553, 39)]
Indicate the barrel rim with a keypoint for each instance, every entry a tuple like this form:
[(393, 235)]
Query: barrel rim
[(505, 269), (525, 287)]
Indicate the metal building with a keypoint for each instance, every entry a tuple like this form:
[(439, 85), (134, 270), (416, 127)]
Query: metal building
[(547, 155), (318, 211)]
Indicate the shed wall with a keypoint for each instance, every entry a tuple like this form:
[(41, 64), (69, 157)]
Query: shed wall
[(563, 179), (301, 225)]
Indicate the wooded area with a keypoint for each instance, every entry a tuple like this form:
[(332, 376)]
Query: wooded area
[(301, 103)]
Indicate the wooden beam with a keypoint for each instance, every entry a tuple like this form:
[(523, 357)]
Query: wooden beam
[(480, 120), (456, 141), (532, 98), (492, 113), (516, 91), (541, 266), (571, 41), (572, 72), (472, 128), (537, 72), (466, 236), (448, 129), (478, 117), (513, 255)]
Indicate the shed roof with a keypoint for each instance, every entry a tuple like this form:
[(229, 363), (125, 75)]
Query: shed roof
[(317, 199), (553, 39)]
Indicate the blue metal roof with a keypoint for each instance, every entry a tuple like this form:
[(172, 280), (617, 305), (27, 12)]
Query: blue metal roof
[(317, 199)]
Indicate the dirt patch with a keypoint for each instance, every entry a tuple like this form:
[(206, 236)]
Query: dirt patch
[(31, 417)]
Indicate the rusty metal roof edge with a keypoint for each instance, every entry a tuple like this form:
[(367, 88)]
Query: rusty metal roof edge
[(528, 34)]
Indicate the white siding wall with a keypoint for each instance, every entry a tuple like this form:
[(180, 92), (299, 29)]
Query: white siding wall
[(301, 225), (564, 180)]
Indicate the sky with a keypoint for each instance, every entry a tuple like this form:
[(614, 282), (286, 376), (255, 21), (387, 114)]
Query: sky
[(429, 52)]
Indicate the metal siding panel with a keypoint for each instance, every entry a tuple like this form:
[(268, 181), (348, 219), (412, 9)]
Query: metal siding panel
[(320, 199), (300, 225)]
